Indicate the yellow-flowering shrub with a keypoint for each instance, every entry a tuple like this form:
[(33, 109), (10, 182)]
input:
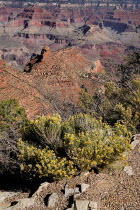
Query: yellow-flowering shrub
[(43, 163), (98, 146)]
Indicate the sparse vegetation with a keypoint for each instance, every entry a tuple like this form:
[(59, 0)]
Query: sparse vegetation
[(12, 119), (120, 100)]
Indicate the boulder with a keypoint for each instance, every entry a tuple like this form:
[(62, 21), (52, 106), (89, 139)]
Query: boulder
[(68, 191), (5, 197), (84, 187), (23, 204), (93, 205), (82, 204), (5, 194), (128, 170), (53, 200), (76, 190), (135, 141), (41, 188)]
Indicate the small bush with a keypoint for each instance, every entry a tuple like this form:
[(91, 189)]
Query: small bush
[(80, 123), (11, 115), (45, 130), (86, 101)]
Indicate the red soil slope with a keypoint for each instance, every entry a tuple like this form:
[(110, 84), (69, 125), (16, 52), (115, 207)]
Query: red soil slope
[(58, 78)]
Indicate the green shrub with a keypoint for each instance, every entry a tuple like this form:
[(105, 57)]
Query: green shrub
[(45, 130), (79, 123), (11, 115), (86, 101), (127, 116), (43, 163)]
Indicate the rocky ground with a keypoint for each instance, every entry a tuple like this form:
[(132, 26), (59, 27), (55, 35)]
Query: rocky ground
[(115, 188)]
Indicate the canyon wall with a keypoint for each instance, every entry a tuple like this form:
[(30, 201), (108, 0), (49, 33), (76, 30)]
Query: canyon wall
[(24, 31)]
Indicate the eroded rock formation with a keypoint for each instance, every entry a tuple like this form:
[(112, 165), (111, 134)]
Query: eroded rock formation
[(51, 83), (29, 29)]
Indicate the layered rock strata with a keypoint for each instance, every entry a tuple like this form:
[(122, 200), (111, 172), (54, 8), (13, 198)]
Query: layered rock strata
[(29, 29)]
